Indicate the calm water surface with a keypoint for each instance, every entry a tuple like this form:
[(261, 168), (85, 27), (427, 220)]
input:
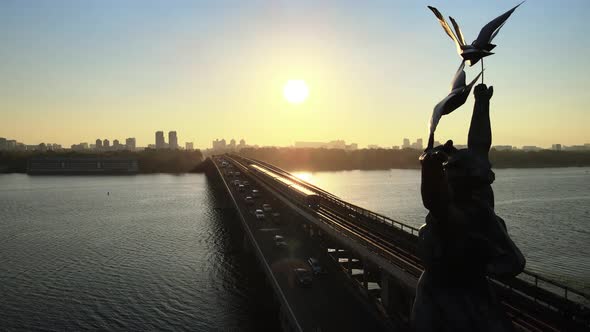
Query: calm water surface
[(155, 254), (547, 211)]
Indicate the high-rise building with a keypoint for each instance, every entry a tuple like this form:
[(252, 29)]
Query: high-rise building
[(130, 143), (219, 144), (189, 146), (98, 144), (160, 143), (556, 147), (172, 140), (2, 143), (116, 144), (406, 144), (419, 144), (106, 143), (232, 144)]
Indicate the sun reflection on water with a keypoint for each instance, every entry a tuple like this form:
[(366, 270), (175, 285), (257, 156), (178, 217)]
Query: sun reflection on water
[(305, 176)]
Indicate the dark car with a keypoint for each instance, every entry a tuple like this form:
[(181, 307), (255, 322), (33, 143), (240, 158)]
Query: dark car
[(303, 277), (315, 265)]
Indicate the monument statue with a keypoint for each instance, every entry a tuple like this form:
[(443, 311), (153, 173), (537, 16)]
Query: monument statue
[(463, 241)]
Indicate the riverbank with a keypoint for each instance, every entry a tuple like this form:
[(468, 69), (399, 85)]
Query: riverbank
[(148, 161), (315, 160)]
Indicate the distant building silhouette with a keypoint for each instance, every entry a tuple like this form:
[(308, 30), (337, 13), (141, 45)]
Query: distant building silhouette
[(160, 143), (406, 144), (531, 148), (130, 144), (502, 147), (232, 144), (218, 144), (189, 146), (337, 144), (172, 140), (116, 145), (98, 144), (556, 147), (242, 144), (106, 144)]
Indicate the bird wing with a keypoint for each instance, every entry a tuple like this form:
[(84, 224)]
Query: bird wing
[(496, 32), (459, 78), (446, 27), (490, 30), (458, 31), (438, 112)]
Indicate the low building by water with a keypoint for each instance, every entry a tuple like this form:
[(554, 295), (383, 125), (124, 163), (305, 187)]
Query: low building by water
[(93, 166)]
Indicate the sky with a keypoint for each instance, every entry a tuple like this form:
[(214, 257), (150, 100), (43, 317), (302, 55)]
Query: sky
[(74, 71)]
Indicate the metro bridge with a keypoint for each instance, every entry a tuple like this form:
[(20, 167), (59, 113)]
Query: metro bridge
[(371, 259)]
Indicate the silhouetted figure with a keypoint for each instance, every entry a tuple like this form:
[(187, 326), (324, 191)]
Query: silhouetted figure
[(463, 240)]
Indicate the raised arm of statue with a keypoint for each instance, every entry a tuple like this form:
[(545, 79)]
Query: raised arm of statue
[(480, 131)]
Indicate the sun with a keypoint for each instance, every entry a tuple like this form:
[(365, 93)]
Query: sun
[(296, 91)]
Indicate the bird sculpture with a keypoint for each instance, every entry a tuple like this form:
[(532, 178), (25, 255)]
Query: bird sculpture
[(482, 46), (456, 98)]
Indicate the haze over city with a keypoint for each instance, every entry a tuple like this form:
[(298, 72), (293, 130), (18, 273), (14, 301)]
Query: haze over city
[(76, 71)]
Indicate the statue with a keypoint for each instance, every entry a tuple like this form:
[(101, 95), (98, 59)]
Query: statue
[(463, 240)]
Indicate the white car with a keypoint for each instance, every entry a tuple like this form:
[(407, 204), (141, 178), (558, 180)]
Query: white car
[(259, 214), (249, 200), (280, 241), (255, 193)]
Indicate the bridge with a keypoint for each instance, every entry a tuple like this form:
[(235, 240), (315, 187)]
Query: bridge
[(369, 266)]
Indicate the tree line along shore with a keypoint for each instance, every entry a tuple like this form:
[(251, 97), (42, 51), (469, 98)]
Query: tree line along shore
[(301, 159)]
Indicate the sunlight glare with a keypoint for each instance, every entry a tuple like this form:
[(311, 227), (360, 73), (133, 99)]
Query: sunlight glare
[(296, 91)]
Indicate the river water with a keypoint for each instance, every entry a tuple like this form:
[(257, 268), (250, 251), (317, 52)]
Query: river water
[(160, 252)]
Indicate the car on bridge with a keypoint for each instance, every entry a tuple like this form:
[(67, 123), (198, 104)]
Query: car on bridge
[(241, 188), (266, 207), (255, 193), (280, 241), (303, 277), (259, 214), (249, 200), (315, 265)]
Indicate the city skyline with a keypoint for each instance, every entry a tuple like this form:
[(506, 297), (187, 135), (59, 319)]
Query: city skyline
[(96, 71), (159, 142)]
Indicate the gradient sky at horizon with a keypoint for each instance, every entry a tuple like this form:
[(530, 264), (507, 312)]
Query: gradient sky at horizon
[(73, 71)]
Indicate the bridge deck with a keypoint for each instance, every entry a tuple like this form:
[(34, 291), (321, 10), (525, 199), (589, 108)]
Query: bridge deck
[(330, 303)]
